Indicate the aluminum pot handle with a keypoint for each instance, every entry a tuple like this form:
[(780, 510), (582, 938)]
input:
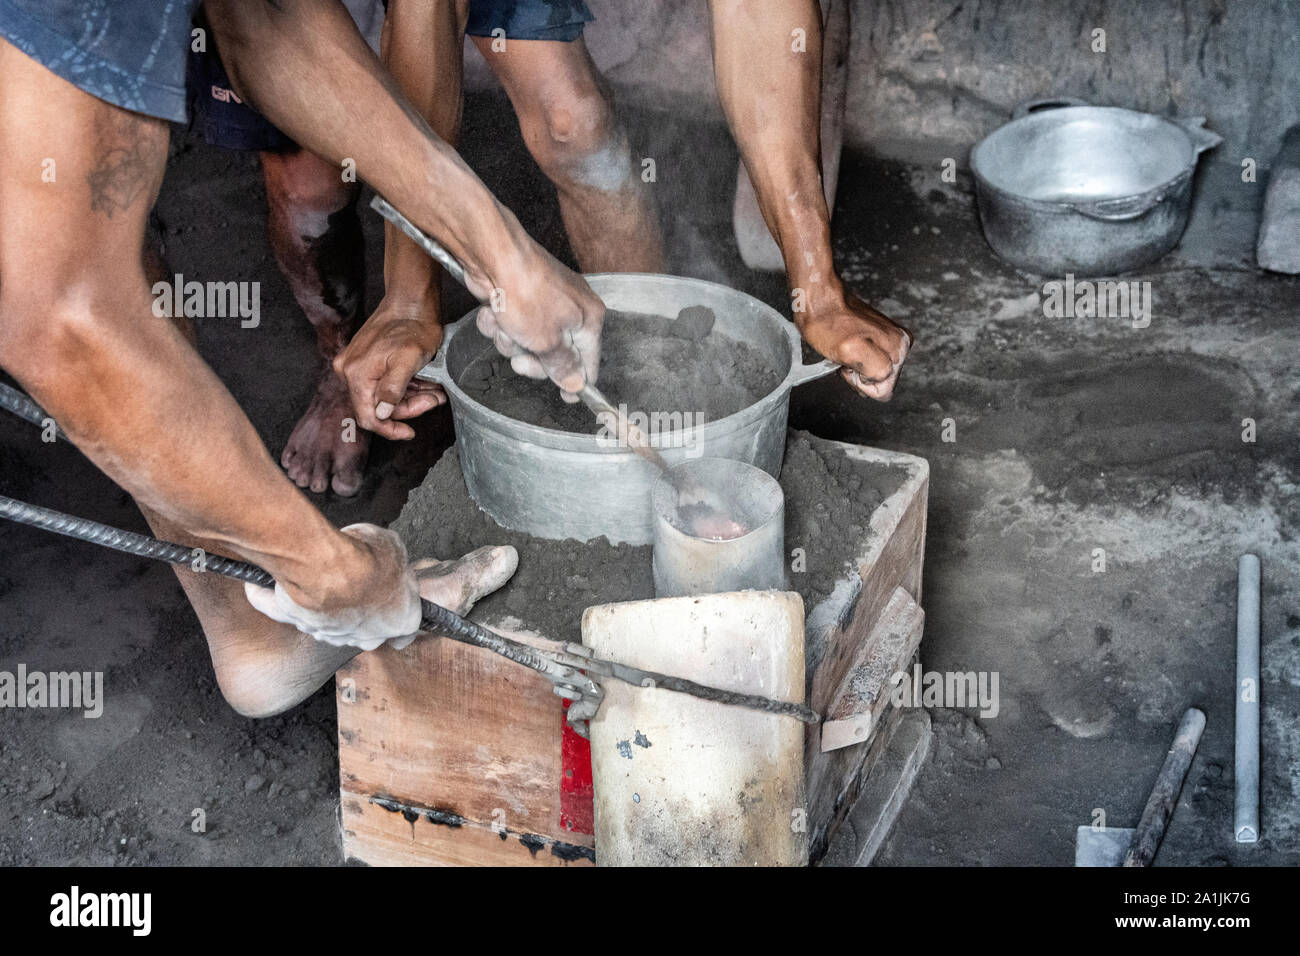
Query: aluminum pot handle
[(436, 369), (1122, 208), (799, 373), (1046, 103), (802, 374), (1202, 138)]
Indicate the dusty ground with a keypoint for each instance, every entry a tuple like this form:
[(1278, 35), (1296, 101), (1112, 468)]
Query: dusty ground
[(1071, 435)]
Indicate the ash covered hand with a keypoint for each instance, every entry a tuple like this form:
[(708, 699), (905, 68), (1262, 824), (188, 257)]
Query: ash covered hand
[(547, 322), (388, 589), (381, 602)]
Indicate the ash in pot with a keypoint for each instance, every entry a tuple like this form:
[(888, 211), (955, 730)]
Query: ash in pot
[(650, 363)]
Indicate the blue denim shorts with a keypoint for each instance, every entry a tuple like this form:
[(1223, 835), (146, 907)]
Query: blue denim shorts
[(561, 20), (130, 53), (230, 123), (133, 53)]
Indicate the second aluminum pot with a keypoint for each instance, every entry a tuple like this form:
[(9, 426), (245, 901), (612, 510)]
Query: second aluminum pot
[(1090, 190), (559, 485)]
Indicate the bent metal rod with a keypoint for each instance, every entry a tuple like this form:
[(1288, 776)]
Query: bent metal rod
[(571, 669)]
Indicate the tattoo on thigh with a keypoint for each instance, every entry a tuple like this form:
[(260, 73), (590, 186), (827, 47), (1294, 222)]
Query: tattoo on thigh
[(127, 165)]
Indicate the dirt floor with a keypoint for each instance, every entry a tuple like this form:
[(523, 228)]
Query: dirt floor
[(1069, 435)]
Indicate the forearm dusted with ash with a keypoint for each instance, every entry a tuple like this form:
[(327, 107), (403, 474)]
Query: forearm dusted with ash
[(303, 64)]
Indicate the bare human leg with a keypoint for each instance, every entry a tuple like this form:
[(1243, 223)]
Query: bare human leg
[(78, 243), (272, 53), (315, 235), (568, 123), (422, 46), (567, 118), (77, 329)]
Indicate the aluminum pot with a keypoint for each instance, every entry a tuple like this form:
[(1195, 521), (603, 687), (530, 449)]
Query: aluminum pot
[(1092, 190), (555, 484)]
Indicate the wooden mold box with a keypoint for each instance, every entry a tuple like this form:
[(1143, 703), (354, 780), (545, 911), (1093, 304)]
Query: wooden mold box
[(451, 755)]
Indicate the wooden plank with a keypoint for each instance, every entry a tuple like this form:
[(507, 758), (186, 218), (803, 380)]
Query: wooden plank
[(389, 834), (892, 559), (842, 774), (884, 791), (840, 626), (447, 732), (456, 728), (864, 692)]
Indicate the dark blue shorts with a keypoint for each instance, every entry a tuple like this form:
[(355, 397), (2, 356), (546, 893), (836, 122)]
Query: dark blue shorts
[(561, 20), (225, 119), (130, 53), (230, 123)]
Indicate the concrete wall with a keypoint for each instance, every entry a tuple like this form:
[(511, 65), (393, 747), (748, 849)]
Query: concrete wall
[(929, 74)]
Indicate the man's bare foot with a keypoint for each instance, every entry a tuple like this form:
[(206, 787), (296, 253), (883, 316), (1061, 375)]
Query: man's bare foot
[(458, 584), (265, 667), (325, 451)]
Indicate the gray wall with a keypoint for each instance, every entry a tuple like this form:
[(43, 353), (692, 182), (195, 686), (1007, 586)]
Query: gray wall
[(935, 75)]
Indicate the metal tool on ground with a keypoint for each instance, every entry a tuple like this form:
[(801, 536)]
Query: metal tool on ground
[(1121, 846), (1245, 817), (564, 668), (628, 433)]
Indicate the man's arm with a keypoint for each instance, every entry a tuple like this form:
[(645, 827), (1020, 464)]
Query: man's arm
[(304, 65), (79, 329), (423, 48), (771, 95)]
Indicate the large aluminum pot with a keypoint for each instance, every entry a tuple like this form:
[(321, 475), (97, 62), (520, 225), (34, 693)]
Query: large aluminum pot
[(558, 485), (1090, 190)]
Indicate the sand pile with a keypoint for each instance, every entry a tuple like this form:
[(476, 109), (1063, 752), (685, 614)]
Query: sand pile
[(829, 499)]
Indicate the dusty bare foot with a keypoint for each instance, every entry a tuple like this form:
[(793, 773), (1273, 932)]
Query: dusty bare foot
[(265, 667), (323, 451), (458, 584)]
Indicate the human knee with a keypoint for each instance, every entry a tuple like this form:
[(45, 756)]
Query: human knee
[(251, 693), (576, 140), (54, 320), (303, 186)]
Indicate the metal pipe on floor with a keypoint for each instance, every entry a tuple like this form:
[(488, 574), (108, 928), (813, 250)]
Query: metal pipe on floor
[(1164, 795), (1245, 818)]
